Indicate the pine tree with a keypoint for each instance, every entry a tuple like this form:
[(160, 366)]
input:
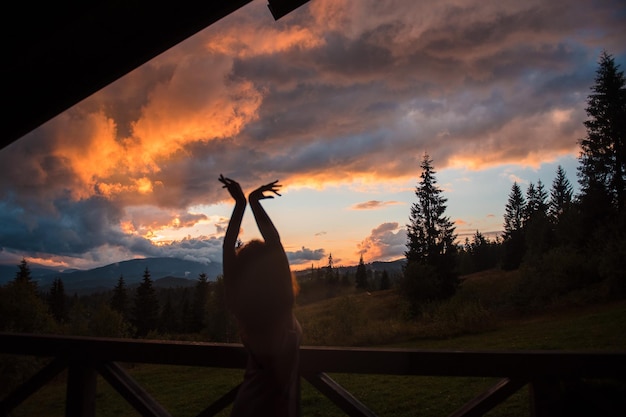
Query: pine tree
[(361, 275), (431, 252), (513, 237), (168, 322), (21, 308), (186, 313), (480, 252), (119, 300), (146, 307), (541, 199), (560, 196), (385, 283), (57, 301), (330, 274), (530, 206), (430, 233), (601, 175), (200, 300), (514, 212), (23, 275), (538, 231), (345, 279), (602, 168)]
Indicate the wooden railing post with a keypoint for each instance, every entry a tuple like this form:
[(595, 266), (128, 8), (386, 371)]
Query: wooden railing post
[(545, 398), (81, 389)]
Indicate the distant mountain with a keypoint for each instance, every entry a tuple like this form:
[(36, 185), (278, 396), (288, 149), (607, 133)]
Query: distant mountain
[(8, 272), (391, 267), (164, 272), (174, 282), (168, 271)]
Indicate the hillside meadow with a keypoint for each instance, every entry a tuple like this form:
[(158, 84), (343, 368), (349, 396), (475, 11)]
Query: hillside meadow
[(483, 315)]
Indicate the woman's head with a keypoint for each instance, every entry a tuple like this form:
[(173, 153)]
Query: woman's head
[(263, 287)]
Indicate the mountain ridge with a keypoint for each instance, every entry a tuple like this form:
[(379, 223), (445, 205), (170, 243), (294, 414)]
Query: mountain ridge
[(164, 272), (105, 277)]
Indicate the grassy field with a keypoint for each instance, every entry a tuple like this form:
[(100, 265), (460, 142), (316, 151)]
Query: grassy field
[(471, 321)]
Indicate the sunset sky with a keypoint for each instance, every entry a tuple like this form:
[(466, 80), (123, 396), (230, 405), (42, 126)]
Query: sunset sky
[(339, 100)]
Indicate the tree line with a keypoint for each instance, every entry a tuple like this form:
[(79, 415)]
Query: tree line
[(560, 242), (145, 311), (141, 311)]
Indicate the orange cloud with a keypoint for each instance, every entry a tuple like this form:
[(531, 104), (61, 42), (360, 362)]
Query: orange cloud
[(86, 141), (196, 103), (373, 205), (148, 221), (195, 106), (385, 242), (251, 40)]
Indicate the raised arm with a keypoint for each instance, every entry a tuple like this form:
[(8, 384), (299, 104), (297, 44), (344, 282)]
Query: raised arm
[(266, 227), (232, 231)]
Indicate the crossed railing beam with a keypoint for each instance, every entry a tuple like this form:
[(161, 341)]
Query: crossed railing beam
[(86, 357)]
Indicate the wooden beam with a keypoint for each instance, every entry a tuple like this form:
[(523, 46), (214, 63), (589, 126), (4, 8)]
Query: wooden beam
[(132, 392), (489, 399), (545, 397), (81, 389), (339, 395), (223, 402), (510, 364), (28, 388)]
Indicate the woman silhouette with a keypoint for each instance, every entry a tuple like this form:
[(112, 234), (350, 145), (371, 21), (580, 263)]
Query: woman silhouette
[(260, 294)]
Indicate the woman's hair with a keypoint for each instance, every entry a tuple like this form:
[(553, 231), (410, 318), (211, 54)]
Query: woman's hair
[(262, 287)]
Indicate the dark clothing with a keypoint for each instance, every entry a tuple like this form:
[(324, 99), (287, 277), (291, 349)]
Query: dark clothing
[(271, 385)]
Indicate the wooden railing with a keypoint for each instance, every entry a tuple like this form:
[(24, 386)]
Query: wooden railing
[(86, 357)]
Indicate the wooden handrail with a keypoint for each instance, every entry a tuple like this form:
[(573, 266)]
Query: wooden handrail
[(389, 361), (85, 356)]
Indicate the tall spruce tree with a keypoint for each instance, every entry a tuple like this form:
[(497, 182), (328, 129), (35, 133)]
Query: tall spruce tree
[(169, 323), (601, 174), (119, 300), (537, 227), (513, 237), (331, 274), (361, 275), (385, 282), (21, 308), (23, 275), (514, 212), (602, 161), (430, 233), (200, 301), (541, 199), (531, 203), (479, 250), (560, 196), (146, 307), (57, 301), (430, 271)]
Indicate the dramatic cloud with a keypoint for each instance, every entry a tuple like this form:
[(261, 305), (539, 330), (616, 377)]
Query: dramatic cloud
[(385, 242), (338, 92), (305, 255)]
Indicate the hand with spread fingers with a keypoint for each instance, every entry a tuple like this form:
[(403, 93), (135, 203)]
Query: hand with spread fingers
[(233, 188), (259, 193)]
